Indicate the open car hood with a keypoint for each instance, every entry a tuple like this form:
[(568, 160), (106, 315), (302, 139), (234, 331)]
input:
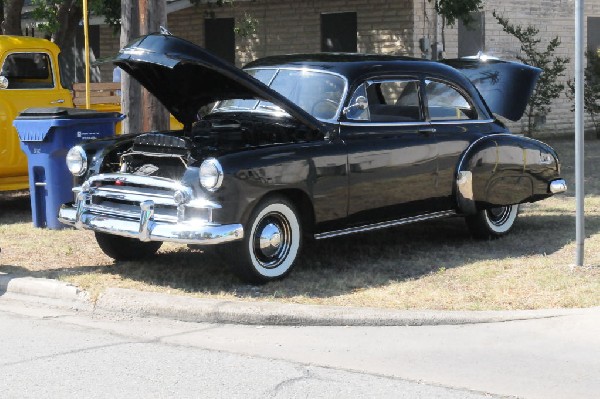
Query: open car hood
[(505, 86), (185, 77)]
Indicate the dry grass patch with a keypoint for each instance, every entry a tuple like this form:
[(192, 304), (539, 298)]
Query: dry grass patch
[(434, 265)]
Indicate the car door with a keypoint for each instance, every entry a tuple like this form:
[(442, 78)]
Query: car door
[(32, 82), (457, 123), (391, 150)]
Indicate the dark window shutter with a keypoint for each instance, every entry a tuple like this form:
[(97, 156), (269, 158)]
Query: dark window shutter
[(338, 32)]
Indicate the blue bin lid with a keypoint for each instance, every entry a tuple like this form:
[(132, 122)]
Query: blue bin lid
[(65, 113), (34, 124)]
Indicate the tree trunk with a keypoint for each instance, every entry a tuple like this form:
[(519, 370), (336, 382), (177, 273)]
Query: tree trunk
[(69, 15), (1, 15), (144, 112), (153, 15), (131, 97), (12, 22)]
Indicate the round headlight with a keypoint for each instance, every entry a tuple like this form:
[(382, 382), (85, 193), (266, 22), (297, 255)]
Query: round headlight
[(77, 161), (211, 174)]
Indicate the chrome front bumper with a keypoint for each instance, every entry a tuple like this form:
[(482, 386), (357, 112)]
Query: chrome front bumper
[(148, 229)]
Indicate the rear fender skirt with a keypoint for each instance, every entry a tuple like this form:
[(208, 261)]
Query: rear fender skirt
[(503, 169)]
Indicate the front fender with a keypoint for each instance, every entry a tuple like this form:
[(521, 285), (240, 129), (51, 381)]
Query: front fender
[(504, 169)]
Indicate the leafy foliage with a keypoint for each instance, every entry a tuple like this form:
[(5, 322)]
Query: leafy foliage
[(454, 10), (553, 67), (591, 89), (244, 27), (50, 12)]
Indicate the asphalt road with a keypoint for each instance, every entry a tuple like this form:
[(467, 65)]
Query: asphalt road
[(59, 353)]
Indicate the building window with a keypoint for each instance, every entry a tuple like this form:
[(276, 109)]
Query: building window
[(338, 32), (471, 37), (593, 33), (219, 37)]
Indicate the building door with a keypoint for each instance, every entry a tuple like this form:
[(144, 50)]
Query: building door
[(471, 37), (219, 37), (338, 32)]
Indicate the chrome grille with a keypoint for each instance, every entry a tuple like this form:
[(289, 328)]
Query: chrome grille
[(121, 194)]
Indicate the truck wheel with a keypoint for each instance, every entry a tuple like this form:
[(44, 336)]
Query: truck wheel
[(125, 248), (271, 244), (493, 222)]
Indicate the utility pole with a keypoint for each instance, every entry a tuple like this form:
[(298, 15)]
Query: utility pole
[(144, 112), (579, 135)]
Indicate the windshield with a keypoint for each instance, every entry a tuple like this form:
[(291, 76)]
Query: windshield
[(318, 93)]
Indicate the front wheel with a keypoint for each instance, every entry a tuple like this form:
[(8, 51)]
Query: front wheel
[(493, 222), (125, 248), (271, 244)]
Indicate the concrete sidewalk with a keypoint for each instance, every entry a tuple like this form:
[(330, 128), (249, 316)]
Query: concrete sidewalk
[(147, 304)]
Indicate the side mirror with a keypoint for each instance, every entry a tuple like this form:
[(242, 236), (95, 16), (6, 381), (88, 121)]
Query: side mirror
[(3, 82), (360, 103)]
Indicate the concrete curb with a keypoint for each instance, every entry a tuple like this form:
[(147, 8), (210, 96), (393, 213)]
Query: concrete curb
[(148, 304), (271, 313), (40, 287)]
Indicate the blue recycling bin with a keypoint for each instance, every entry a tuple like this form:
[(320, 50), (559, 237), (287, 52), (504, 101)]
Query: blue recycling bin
[(46, 136)]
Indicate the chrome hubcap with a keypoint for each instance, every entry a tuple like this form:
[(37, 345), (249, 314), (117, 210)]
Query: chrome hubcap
[(499, 216), (272, 240)]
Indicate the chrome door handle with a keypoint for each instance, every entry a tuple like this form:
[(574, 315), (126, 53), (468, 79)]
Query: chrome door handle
[(427, 131), (59, 101)]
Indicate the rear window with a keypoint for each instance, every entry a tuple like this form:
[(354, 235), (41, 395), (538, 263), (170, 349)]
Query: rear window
[(28, 71)]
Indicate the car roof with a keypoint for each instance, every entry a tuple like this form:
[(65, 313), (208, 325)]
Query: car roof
[(356, 65)]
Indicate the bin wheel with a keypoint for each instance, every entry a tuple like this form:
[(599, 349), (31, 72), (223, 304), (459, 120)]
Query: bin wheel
[(125, 248)]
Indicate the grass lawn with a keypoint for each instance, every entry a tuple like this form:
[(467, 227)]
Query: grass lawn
[(433, 265)]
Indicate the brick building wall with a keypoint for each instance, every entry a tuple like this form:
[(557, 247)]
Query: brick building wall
[(383, 26), (552, 18), (287, 26)]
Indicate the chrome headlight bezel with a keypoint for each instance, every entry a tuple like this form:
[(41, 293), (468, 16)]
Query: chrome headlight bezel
[(211, 174), (76, 161)]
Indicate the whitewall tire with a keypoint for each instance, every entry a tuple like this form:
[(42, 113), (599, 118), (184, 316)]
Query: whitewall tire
[(493, 222), (271, 244)]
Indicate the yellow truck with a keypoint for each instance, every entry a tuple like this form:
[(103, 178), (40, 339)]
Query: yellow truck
[(30, 77)]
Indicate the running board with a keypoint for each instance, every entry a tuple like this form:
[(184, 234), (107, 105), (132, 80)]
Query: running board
[(384, 225)]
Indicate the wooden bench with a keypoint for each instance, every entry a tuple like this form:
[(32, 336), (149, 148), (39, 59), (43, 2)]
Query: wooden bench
[(100, 93)]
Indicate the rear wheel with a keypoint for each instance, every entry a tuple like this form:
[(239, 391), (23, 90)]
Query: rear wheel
[(271, 244), (493, 222), (125, 248)]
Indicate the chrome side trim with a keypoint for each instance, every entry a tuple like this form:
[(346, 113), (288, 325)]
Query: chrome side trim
[(384, 225), (462, 121), (557, 186), (367, 123)]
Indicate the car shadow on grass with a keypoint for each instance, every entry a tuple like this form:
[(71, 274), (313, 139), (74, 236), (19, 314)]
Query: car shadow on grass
[(337, 266)]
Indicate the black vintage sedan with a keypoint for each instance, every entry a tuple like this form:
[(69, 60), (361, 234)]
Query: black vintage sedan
[(308, 147)]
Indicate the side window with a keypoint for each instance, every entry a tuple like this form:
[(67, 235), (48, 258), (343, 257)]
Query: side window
[(394, 101), (28, 71), (444, 102)]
